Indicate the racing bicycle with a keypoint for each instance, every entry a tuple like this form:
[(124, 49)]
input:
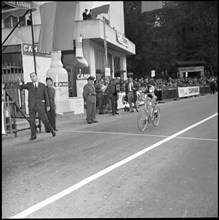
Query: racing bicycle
[(148, 114)]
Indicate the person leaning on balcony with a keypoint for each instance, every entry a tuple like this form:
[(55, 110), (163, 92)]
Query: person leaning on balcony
[(85, 15), (51, 114), (38, 101), (89, 95), (89, 16)]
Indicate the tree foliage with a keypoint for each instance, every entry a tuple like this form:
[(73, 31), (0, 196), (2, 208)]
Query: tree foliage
[(180, 31)]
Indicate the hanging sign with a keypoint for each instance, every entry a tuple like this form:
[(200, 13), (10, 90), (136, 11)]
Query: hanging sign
[(152, 73)]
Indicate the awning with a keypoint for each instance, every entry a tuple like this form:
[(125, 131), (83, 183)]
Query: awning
[(80, 62)]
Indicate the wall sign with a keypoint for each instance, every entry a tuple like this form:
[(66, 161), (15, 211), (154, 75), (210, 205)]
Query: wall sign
[(27, 49)]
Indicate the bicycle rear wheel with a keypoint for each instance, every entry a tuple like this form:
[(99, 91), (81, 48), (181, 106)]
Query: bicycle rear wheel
[(142, 119), (156, 117)]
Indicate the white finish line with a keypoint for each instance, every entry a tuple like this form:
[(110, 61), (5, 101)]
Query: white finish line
[(87, 180)]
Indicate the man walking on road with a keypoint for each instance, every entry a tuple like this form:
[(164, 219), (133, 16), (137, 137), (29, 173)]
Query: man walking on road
[(89, 95), (38, 101)]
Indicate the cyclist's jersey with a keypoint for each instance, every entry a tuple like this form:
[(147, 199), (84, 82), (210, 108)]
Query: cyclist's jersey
[(150, 91)]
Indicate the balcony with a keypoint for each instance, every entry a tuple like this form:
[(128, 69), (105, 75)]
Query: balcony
[(89, 29), (94, 29)]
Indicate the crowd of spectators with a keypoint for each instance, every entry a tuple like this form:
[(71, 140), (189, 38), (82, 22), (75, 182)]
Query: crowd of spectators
[(164, 83)]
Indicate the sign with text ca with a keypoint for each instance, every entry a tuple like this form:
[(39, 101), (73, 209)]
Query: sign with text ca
[(27, 49), (188, 91)]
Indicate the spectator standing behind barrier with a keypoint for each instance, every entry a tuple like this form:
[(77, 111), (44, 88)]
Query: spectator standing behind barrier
[(112, 94), (213, 86), (100, 95), (51, 114), (38, 101), (130, 90), (89, 95)]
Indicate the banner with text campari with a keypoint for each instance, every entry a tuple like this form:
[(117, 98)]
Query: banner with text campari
[(188, 91)]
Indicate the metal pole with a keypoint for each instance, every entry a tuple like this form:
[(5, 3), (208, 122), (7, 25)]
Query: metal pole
[(105, 42), (34, 57), (14, 27)]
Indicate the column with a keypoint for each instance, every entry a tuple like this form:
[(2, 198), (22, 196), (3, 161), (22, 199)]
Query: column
[(59, 76)]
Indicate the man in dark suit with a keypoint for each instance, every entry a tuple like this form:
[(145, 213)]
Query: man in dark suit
[(100, 95), (130, 90), (89, 95), (51, 114), (38, 101), (113, 95)]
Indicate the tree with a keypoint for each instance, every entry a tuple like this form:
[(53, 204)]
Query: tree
[(181, 31)]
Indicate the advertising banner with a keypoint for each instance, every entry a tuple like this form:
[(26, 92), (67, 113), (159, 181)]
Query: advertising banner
[(188, 91)]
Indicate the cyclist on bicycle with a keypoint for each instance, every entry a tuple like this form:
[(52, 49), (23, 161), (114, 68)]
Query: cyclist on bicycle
[(150, 89)]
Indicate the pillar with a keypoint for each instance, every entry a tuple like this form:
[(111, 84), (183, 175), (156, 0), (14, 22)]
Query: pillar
[(59, 76)]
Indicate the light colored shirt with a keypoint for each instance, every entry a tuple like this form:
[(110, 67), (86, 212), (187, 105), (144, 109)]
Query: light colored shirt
[(35, 84), (130, 86)]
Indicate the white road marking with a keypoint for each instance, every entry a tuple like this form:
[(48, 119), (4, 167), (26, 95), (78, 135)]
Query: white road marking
[(87, 180), (132, 134)]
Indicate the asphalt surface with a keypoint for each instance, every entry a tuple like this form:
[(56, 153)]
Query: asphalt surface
[(178, 178)]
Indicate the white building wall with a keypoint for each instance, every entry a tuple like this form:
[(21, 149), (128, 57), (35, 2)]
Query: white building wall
[(115, 14)]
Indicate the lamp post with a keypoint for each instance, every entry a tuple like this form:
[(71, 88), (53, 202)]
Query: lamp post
[(105, 42), (34, 56)]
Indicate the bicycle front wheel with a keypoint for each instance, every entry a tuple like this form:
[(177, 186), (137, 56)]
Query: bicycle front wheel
[(142, 119), (156, 117)]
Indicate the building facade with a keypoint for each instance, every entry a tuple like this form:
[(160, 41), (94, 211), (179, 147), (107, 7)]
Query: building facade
[(94, 32)]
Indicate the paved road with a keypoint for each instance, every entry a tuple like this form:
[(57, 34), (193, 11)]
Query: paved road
[(178, 178)]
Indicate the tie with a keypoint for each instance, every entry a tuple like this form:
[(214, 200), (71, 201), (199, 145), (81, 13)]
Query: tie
[(35, 87)]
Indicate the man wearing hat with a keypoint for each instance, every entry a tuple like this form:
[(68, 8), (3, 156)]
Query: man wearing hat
[(89, 95)]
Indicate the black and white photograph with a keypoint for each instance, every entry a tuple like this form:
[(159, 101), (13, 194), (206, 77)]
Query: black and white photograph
[(109, 109)]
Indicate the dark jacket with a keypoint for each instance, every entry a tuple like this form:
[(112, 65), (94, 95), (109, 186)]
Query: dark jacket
[(39, 98), (51, 94)]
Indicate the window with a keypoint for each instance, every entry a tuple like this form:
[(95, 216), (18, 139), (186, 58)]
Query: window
[(11, 21)]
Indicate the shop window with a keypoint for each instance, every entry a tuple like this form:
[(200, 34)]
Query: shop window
[(7, 22), (117, 65), (99, 59)]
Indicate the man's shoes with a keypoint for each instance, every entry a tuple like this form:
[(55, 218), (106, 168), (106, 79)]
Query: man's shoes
[(47, 131), (89, 122), (95, 121), (32, 138), (117, 113), (101, 113), (132, 110), (56, 129), (53, 133)]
